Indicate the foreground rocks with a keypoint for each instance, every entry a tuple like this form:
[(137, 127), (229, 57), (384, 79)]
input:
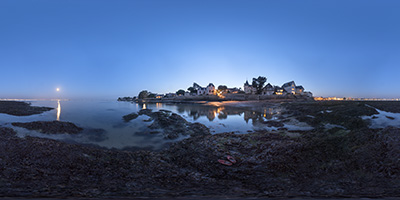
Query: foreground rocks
[(19, 108), (341, 163), (50, 127), (39, 167), (171, 125), (344, 113), (130, 117)]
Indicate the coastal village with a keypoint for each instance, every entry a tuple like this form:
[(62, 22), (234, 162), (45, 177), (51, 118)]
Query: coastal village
[(257, 90)]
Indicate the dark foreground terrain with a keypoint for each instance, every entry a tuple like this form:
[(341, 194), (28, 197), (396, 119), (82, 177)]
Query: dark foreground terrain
[(360, 163), (347, 161)]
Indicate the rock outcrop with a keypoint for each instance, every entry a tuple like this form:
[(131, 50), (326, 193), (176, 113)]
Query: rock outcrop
[(171, 125), (50, 127), (19, 108)]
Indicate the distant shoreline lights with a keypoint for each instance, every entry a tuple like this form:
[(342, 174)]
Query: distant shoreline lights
[(352, 99)]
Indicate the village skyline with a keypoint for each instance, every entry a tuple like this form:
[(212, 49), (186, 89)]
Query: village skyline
[(258, 86)]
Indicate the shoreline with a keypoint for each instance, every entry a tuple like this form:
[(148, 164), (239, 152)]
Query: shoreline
[(282, 164)]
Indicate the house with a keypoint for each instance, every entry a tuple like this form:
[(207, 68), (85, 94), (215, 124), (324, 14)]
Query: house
[(307, 94), (279, 91), (299, 89), (249, 89), (209, 90), (290, 87), (268, 90)]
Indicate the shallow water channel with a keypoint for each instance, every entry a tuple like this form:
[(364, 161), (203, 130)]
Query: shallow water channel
[(104, 126)]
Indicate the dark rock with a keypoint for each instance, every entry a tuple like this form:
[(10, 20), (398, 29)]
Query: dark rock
[(130, 117), (173, 125), (19, 108), (339, 163), (198, 129), (126, 98), (50, 127), (145, 112), (345, 113), (392, 118)]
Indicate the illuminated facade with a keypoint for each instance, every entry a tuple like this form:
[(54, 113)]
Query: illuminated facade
[(209, 90), (290, 87)]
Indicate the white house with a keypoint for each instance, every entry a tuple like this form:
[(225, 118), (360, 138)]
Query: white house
[(209, 90), (249, 89), (299, 89), (290, 87), (268, 90)]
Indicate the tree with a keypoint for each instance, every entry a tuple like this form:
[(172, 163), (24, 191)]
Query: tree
[(192, 90), (180, 92), (143, 94), (258, 83), (222, 87), (152, 95)]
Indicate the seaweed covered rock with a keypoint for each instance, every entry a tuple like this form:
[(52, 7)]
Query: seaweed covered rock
[(19, 108), (343, 113), (173, 125), (50, 127), (130, 117)]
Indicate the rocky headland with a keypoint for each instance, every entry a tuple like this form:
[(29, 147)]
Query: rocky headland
[(19, 108)]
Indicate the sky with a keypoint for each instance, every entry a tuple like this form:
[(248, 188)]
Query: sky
[(115, 48)]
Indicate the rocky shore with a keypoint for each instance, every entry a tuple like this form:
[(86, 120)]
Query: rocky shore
[(363, 163), (19, 108), (50, 127), (345, 160), (171, 125)]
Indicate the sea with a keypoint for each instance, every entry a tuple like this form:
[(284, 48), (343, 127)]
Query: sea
[(104, 126)]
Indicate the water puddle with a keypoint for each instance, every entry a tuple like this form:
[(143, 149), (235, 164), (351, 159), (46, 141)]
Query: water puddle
[(383, 119)]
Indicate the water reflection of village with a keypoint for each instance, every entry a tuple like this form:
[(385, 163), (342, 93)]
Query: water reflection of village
[(260, 116), (196, 111)]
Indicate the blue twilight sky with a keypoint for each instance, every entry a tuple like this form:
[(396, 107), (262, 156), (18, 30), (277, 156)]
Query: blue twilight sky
[(111, 48)]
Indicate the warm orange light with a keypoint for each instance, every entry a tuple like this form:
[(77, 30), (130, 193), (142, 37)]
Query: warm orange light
[(58, 110)]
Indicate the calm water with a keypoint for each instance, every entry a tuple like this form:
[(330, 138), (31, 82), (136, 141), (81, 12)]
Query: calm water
[(105, 127)]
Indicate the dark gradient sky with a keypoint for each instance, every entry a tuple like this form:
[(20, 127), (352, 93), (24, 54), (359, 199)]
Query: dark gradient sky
[(106, 49)]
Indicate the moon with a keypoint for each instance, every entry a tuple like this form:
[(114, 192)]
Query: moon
[(58, 89)]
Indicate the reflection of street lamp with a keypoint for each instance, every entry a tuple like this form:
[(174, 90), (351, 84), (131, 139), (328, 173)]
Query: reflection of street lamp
[(58, 106), (58, 110)]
